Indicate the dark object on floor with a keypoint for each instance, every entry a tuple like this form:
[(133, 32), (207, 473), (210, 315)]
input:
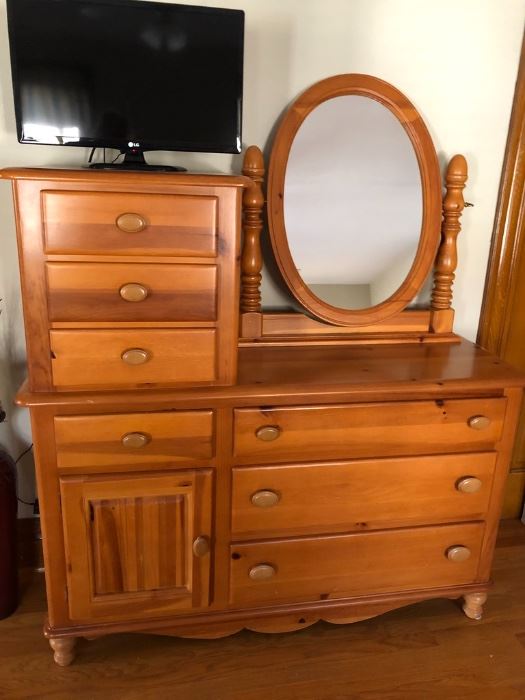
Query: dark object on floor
[(8, 508)]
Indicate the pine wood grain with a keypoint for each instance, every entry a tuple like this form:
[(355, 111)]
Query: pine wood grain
[(425, 651), (359, 495), (409, 118), (85, 222), (323, 568), (94, 443), (138, 551), (502, 320), (368, 430), (289, 375), (92, 292), (278, 325), (442, 315), (513, 499), (129, 544), (72, 217), (252, 260), (93, 358), (152, 529)]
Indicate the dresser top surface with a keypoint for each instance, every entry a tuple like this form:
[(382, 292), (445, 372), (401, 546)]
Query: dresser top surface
[(365, 365), (80, 175), (279, 374)]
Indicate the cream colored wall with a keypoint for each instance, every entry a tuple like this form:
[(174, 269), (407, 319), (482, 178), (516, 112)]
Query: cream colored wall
[(455, 59), (15, 433), (346, 296)]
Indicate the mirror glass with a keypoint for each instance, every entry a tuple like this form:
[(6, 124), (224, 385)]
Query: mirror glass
[(353, 202)]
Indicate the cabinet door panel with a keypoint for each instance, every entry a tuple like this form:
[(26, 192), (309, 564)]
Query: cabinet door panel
[(129, 544), (122, 531)]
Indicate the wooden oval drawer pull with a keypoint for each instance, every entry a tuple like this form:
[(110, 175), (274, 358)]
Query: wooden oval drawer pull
[(478, 422), (131, 223), (469, 484), (268, 433), (265, 498), (262, 572), (133, 292), (201, 546), (135, 356), (134, 440), (458, 553)]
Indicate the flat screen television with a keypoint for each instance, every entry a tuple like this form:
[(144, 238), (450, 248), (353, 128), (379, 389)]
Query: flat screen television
[(127, 74)]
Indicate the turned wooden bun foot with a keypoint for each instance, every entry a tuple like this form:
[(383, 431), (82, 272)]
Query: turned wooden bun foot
[(473, 605), (64, 650)]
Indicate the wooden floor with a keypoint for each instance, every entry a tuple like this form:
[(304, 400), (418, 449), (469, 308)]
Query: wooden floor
[(428, 651)]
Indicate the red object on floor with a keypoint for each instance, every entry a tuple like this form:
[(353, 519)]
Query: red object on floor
[(8, 511)]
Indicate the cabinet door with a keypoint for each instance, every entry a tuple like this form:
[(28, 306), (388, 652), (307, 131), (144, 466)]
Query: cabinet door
[(137, 546)]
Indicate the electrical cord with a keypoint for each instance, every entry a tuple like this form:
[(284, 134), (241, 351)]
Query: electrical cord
[(92, 153), (21, 500), (28, 449)]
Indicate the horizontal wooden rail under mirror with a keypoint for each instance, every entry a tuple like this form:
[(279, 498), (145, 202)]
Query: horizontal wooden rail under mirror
[(356, 219)]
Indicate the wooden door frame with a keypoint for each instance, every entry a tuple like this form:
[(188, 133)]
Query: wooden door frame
[(509, 229), (507, 247)]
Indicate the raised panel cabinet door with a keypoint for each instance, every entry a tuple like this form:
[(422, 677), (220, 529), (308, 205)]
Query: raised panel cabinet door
[(137, 546)]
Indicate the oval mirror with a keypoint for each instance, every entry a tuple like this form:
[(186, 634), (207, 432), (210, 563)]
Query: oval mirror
[(354, 200)]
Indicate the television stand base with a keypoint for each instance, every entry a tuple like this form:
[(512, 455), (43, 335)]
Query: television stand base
[(134, 166), (134, 160)]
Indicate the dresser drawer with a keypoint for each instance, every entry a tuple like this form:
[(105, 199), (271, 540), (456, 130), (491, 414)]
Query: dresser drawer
[(111, 358), (339, 497), (322, 568), (131, 292), (366, 430), (94, 443), (129, 223)]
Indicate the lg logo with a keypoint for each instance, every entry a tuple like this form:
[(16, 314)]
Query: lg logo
[(133, 144)]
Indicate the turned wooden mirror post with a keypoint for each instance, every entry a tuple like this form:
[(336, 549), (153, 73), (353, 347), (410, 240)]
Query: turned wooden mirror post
[(442, 316), (251, 260), (386, 317)]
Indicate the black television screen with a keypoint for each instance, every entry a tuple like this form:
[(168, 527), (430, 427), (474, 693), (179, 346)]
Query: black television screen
[(127, 74)]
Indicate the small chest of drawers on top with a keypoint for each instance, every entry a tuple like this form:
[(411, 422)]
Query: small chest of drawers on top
[(129, 281)]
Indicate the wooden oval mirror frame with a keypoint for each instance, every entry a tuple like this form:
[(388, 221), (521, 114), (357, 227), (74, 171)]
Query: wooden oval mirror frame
[(406, 113)]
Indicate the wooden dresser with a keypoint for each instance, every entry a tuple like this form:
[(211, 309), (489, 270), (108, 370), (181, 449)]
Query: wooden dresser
[(327, 483), (200, 472)]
